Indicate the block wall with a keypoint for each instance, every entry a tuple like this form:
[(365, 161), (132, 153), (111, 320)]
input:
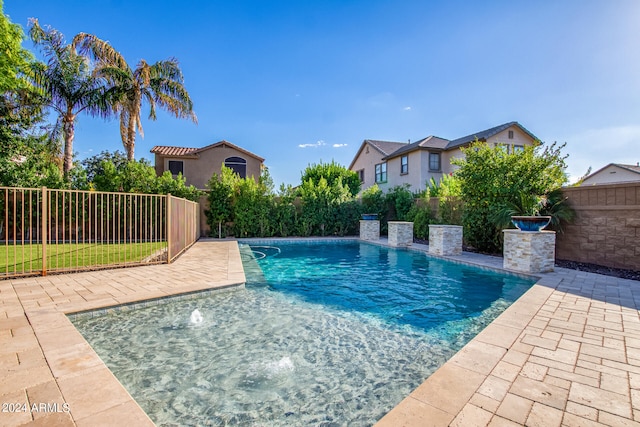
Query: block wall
[(606, 230)]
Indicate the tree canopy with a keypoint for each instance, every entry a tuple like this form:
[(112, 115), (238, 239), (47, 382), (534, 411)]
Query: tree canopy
[(160, 84), (332, 173), (14, 60), (26, 157), (492, 179), (68, 83)]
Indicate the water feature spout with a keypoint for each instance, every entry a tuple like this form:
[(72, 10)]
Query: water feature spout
[(196, 317)]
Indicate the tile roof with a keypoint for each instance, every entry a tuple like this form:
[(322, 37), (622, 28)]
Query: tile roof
[(165, 150), (488, 133)]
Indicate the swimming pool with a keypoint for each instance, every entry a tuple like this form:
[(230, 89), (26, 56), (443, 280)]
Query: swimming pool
[(323, 334)]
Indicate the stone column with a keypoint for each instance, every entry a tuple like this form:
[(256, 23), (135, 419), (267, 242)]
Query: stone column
[(370, 229), (400, 233), (529, 251), (445, 239)]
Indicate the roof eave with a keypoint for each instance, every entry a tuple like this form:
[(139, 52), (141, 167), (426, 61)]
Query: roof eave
[(235, 147), (401, 153)]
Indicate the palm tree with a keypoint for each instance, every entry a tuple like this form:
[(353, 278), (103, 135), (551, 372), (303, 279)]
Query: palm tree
[(160, 84), (68, 84)]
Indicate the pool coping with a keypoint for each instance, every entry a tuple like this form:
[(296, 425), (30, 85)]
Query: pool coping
[(566, 353)]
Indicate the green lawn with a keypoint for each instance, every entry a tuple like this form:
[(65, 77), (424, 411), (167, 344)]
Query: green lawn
[(17, 259)]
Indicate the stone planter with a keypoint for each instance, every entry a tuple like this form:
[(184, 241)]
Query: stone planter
[(445, 239), (529, 251), (400, 233), (369, 229)]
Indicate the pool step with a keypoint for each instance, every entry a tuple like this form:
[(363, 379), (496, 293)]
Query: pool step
[(252, 271)]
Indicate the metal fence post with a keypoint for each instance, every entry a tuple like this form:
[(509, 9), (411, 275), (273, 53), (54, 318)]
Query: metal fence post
[(45, 217), (169, 228)]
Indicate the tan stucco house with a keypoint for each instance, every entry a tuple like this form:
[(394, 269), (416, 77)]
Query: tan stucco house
[(614, 173), (198, 165), (389, 163)]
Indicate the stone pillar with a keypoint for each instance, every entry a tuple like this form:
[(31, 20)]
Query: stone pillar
[(400, 233), (529, 251), (370, 229), (445, 239)]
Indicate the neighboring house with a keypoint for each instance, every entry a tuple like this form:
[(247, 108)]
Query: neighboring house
[(198, 165), (389, 164), (614, 173)]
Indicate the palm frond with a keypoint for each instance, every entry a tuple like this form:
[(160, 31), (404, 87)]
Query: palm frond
[(99, 50)]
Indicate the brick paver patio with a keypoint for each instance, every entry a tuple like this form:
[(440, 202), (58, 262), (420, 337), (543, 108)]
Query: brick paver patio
[(567, 353)]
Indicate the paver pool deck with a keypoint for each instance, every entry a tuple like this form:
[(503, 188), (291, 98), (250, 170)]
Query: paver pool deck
[(567, 353)]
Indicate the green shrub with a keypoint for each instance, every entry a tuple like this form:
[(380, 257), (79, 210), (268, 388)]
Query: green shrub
[(450, 210), (251, 207), (318, 202), (373, 202), (284, 213), (253, 210), (332, 173), (399, 201), (220, 200), (347, 218), (492, 180), (420, 215)]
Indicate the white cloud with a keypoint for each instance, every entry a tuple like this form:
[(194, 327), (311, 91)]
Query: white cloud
[(407, 108), (317, 144), (339, 145)]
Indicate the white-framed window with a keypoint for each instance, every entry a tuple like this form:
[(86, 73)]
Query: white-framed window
[(381, 172), (237, 164), (176, 167), (404, 165), (518, 148), (434, 162)]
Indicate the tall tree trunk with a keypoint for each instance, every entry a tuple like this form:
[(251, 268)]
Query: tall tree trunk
[(130, 145), (68, 130)]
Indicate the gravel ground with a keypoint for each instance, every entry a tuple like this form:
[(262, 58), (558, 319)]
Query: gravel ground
[(580, 266)]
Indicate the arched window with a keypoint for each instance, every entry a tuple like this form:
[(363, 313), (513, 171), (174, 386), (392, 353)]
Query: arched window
[(237, 164)]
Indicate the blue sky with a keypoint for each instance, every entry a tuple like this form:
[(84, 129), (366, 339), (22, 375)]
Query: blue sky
[(298, 82)]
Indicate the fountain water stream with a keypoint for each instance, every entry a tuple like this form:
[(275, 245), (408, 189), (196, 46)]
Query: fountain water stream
[(196, 317)]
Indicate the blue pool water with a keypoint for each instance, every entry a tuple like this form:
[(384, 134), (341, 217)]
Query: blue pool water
[(332, 334)]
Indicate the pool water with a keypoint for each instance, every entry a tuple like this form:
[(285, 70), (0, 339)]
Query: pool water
[(323, 334)]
